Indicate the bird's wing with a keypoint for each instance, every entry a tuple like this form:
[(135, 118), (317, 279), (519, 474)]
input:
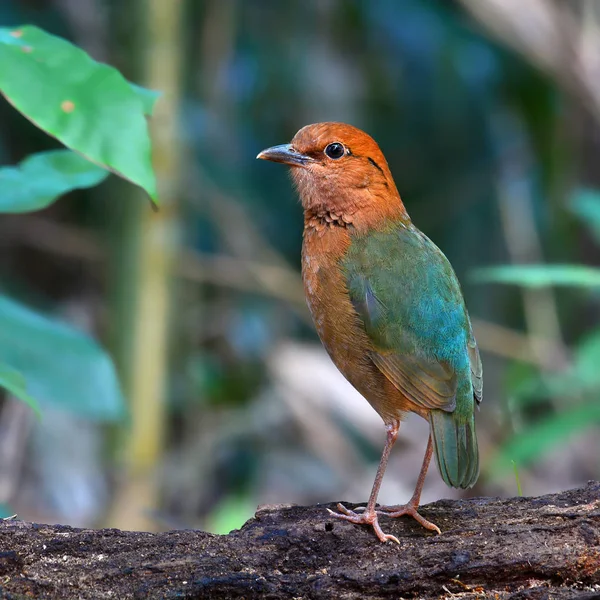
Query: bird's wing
[(409, 300), (428, 384), (476, 369)]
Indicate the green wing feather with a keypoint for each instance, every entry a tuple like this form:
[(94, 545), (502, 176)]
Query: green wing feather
[(410, 302)]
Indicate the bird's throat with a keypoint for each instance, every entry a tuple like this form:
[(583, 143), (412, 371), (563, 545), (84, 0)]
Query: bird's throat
[(323, 219)]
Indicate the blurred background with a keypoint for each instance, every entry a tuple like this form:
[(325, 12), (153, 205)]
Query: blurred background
[(488, 112)]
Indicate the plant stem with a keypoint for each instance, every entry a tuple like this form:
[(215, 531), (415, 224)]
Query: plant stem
[(146, 273)]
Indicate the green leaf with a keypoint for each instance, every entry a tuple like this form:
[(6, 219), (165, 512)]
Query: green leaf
[(88, 106), (61, 365), (585, 204), (538, 276), (148, 98), (13, 382), (41, 178), (536, 440)]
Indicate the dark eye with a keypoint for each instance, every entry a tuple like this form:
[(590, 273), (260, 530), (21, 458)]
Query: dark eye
[(335, 150)]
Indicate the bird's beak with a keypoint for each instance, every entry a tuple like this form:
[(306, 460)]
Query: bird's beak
[(285, 154)]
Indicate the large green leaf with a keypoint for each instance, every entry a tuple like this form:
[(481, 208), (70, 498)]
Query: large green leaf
[(13, 382), (60, 365), (148, 98), (41, 178), (87, 105), (537, 276)]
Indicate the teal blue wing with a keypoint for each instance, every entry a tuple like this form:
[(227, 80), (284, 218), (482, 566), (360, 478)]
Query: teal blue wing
[(411, 305), (409, 300)]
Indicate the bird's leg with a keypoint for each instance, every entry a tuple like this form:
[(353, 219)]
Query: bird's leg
[(369, 516), (411, 507)]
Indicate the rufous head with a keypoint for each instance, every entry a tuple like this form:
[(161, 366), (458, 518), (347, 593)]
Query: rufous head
[(339, 170)]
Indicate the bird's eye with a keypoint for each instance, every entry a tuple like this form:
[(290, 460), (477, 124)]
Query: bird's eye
[(335, 150)]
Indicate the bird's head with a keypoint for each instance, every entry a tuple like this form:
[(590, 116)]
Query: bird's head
[(339, 170)]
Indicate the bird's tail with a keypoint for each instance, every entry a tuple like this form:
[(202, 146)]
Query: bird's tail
[(455, 446)]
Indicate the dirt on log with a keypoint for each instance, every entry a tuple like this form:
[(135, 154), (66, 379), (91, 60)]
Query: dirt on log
[(518, 548)]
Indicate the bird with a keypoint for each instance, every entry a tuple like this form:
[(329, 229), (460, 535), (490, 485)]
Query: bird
[(387, 306)]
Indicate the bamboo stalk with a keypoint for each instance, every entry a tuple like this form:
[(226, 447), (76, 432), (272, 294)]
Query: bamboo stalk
[(147, 275)]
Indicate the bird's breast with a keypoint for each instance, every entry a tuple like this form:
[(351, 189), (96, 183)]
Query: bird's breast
[(327, 294), (339, 327)]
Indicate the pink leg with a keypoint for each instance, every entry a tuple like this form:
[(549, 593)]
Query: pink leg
[(411, 507), (369, 516)]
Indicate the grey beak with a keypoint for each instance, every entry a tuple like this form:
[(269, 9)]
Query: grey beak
[(286, 154)]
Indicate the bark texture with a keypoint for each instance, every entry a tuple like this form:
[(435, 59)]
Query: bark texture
[(517, 548)]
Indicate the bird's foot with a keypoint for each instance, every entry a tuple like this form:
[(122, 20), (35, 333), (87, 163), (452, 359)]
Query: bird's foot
[(363, 518), (410, 510)]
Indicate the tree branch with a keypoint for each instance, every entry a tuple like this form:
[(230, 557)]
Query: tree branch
[(546, 547)]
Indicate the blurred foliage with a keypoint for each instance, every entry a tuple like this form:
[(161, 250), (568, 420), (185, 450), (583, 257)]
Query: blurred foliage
[(15, 384), (42, 178), (60, 365), (571, 397), (537, 276), (585, 204), (517, 478), (230, 513), (91, 108)]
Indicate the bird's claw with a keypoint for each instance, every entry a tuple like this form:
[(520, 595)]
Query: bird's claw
[(359, 516), (364, 518), (409, 510)]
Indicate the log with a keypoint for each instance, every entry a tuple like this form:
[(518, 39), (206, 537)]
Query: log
[(517, 548)]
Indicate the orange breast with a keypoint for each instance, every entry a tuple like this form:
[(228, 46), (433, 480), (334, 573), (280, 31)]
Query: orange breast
[(338, 325)]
